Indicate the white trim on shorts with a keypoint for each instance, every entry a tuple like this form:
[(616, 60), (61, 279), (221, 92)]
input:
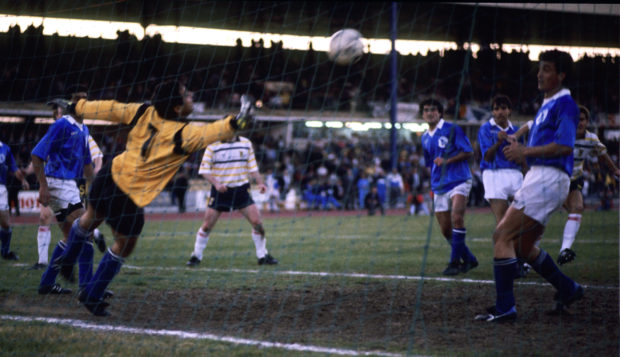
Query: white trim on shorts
[(501, 184), (442, 201), (544, 190)]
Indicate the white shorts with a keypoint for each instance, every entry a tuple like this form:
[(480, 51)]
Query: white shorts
[(62, 193), (544, 190), (501, 184), (442, 201), (4, 198)]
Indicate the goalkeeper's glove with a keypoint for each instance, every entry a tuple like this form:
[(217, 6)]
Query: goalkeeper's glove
[(67, 106), (244, 119)]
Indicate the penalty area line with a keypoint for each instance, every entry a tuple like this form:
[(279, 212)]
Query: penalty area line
[(355, 275), (195, 336)]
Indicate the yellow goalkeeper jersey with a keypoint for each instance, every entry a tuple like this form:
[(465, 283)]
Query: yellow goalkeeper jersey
[(156, 147)]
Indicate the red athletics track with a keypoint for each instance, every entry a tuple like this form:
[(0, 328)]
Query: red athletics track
[(33, 218)]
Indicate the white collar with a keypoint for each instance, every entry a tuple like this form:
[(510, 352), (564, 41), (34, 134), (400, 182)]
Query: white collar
[(561, 93), (72, 120), (492, 121), (438, 126)]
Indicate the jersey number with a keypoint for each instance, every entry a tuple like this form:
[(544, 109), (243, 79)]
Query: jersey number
[(148, 144)]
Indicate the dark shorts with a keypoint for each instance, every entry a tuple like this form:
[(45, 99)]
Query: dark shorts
[(233, 199), (110, 201), (576, 184)]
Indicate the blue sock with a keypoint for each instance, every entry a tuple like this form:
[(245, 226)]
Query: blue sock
[(49, 275), (85, 262), (504, 273), (109, 266), (5, 238), (77, 238), (466, 254), (458, 244), (545, 266)]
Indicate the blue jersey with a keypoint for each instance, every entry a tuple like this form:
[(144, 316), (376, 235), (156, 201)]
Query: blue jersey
[(556, 122), (7, 162), (446, 141), (487, 137), (64, 148)]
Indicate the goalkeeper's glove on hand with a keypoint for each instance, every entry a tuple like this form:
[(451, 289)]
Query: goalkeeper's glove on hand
[(67, 106), (244, 119)]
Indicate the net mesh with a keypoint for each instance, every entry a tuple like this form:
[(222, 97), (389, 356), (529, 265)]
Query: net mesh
[(350, 279)]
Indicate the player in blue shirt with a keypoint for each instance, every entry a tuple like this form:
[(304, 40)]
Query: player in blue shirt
[(549, 153), (446, 151), (7, 165), (60, 158), (500, 176)]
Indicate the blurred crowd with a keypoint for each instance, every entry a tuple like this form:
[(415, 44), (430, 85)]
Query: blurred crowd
[(37, 67), (339, 173)]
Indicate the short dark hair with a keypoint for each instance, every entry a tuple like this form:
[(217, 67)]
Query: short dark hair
[(432, 102), (74, 89), (166, 96), (501, 99), (584, 110), (562, 60)]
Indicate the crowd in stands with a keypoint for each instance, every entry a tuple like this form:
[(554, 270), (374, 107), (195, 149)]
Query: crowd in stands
[(37, 67), (328, 174)]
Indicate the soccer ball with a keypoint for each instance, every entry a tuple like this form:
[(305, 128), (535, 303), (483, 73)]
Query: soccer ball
[(345, 47)]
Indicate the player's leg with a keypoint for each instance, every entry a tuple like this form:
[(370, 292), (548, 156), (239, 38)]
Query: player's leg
[(444, 219), (459, 232), (126, 221), (252, 214), (574, 205), (499, 208), (44, 237), (202, 236), (5, 236)]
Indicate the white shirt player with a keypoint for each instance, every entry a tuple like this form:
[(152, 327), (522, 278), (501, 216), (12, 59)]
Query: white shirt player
[(230, 162), (588, 148)]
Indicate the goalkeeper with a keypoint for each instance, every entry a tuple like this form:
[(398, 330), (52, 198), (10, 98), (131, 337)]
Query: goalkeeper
[(160, 140)]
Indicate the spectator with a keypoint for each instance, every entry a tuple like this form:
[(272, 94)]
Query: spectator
[(396, 187), (372, 202)]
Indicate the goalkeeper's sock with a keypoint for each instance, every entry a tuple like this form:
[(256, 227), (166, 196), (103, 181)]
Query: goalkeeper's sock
[(109, 266), (49, 275), (44, 237), (458, 244), (5, 238), (570, 230), (504, 272), (85, 262), (545, 266), (202, 238), (260, 243)]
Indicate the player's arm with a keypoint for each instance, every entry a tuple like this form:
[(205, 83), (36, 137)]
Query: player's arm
[(606, 159), (215, 182), (194, 138), (22, 178), (524, 129), (110, 110), (97, 163), (258, 178), (38, 166)]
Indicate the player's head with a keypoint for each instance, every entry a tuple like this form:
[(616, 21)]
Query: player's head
[(432, 110), (584, 119), (501, 107), (172, 100), (77, 92), (553, 69)]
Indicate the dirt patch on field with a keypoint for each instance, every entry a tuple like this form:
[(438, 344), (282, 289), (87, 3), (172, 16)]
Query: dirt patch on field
[(378, 316)]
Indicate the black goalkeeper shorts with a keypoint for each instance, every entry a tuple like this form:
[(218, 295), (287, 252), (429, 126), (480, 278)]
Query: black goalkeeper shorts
[(120, 212)]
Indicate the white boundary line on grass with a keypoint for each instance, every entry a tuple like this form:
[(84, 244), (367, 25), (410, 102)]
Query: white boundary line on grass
[(196, 336), (354, 275)]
